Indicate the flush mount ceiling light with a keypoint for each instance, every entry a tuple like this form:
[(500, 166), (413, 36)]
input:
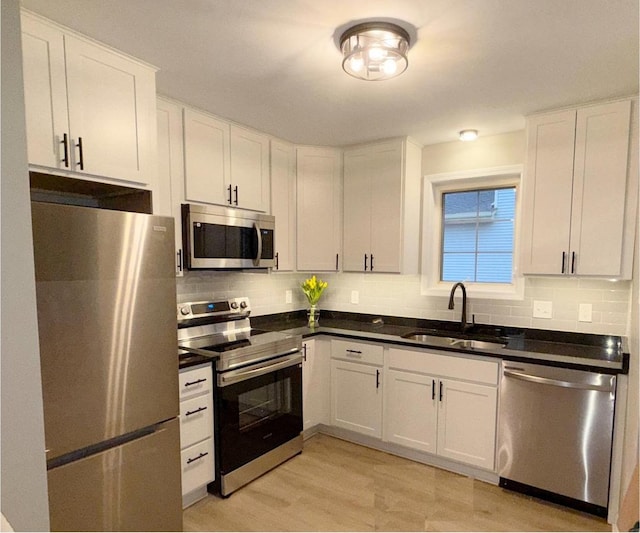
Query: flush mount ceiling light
[(468, 135), (374, 51)]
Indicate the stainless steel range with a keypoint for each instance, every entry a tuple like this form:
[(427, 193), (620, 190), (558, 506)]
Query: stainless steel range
[(258, 388)]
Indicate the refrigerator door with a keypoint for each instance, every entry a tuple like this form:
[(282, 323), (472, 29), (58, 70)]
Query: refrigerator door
[(106, 298), (133, 487)]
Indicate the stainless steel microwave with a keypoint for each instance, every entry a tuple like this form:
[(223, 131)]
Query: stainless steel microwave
[(216, 237)]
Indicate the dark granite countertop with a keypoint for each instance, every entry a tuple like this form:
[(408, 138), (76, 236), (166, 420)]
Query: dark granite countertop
[(601, 353)]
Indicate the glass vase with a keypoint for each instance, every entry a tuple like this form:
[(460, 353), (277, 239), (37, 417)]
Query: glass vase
[(313, 316)]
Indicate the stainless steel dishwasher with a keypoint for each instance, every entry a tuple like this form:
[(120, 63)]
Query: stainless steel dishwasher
[(555, 434)]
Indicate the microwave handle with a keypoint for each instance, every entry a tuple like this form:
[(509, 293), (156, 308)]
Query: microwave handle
[(256, 226)]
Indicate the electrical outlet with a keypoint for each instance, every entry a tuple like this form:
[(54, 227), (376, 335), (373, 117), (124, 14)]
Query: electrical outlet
[(542, 309), (355, 297), (288, 296), (585, 312)]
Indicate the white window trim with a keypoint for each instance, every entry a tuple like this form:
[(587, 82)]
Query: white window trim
[(433, 186)]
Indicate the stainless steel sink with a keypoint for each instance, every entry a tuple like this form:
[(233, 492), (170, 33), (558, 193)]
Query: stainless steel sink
[(478, 345), (455, 342)]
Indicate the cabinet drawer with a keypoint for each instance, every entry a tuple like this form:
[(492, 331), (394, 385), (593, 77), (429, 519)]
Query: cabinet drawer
[(197, 466), (196, 420), (194, 381), (357, 351), (452, 366)]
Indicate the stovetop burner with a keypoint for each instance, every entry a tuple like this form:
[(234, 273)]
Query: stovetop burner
[(222, 331)]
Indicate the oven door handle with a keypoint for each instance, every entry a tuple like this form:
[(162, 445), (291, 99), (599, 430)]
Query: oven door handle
[(242, 374)]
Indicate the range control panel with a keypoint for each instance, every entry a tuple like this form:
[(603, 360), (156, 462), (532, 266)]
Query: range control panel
[(232, 307)]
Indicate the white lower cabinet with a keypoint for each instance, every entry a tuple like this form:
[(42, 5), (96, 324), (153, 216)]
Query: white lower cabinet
[(315, 383), (467, 423), (356, 387), (440, 404), (411, 415), (196, 432)]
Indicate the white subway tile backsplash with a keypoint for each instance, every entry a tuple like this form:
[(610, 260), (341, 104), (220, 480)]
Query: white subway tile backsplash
[(400, 295)]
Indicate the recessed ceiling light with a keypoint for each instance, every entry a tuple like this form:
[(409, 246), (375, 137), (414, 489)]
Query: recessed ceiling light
[(468, 135)]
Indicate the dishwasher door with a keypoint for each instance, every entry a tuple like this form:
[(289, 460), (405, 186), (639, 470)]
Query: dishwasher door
[(556, 429)]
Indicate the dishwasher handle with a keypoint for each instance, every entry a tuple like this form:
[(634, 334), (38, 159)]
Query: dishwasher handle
[(557, 382)]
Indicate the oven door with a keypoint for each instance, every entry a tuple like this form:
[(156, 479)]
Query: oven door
[(259, 407)]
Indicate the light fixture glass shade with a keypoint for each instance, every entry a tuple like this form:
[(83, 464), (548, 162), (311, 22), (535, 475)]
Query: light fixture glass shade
[(468, 135), (374, 51)]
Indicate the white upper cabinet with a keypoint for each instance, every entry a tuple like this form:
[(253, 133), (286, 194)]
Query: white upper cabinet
[(319, 208), (225, 164), (207, 161), (249, 169), (283, 203), (382, 207), (89, 109), (171, 169), (578, 193)]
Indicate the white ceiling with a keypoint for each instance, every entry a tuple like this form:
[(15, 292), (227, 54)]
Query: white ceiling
[(274, 64)]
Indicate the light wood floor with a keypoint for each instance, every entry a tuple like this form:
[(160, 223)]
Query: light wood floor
[(339, 486)]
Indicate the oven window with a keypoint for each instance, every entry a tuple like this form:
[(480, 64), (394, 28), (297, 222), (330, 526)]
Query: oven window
[(257, 415), (263, 404)]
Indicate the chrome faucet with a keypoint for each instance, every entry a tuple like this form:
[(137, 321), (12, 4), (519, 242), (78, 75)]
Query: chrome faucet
[(463, 318)]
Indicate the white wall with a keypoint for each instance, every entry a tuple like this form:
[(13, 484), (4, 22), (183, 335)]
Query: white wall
[(390, 294), (24, 483), (485, 152)]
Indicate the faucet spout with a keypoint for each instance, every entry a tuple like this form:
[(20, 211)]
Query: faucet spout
[(463, 317)]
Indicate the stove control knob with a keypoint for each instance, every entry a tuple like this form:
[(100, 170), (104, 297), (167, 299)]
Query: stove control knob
[(184, 310), (234, 305), (243, 304)]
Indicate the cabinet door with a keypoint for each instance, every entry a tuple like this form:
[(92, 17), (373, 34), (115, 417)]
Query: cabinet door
[(356, 397), (249, 169), (410, 416), (206, 159), (386, 207), (315, 383), (319, 212), (171, 169), (112, 111), (357, 210), (547, 192), (599, 189), (283, 206), (45, 93), (467, 423)]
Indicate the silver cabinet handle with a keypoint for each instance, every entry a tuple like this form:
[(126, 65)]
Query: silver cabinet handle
[(557, 382)]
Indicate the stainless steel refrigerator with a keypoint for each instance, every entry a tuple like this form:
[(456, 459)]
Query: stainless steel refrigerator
[(106, 298)]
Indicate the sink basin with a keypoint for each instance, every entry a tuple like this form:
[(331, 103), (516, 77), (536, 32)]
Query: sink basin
[(478, 345), (455, 342)]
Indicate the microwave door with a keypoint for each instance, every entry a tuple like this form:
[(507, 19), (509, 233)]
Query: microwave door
[(224, 246)]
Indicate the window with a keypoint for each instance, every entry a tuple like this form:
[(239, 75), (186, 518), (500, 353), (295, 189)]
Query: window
[(469, 233), (477, 235)]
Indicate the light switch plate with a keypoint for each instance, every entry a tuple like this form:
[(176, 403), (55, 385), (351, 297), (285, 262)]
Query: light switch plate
[(542, 309), (585, 312), (355, 297), (288, 296)]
